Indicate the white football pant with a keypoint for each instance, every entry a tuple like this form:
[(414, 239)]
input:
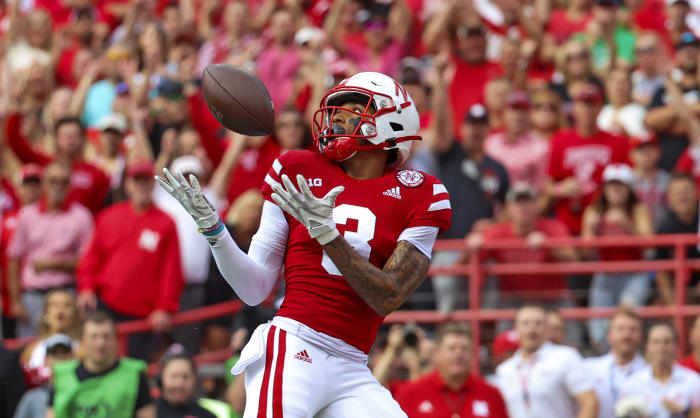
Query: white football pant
[(286, 376)]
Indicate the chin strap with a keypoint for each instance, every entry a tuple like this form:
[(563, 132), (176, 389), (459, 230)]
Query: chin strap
[(335, 150)]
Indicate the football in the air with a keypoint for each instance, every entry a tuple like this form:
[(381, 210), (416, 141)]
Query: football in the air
[(238, 99)]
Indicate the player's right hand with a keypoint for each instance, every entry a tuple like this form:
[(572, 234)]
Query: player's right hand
[(316, 214), (193, 200)]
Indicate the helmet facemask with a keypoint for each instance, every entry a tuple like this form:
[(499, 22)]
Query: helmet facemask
[(332, 139), (385, 118)]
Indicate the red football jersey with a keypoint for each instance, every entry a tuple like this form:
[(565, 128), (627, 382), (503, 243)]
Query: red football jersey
[(370, 214)]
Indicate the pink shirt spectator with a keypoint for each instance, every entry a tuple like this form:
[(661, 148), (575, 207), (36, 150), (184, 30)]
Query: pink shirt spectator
[(220, 48), (388, 64), (42, 235), (277, 68), (525, 159)]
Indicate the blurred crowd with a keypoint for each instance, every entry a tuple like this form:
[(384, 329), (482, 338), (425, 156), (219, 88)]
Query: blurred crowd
[(543, 118)]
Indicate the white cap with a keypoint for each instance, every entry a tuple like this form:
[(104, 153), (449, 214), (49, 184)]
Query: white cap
[(308, 34), (631, 407), (113, 121), (188, 164), (619, 172)]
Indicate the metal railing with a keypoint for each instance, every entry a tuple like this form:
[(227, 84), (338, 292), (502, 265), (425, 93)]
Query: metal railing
[(476, 272)]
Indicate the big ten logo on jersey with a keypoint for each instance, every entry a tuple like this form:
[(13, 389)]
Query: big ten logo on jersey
[(314, 182)]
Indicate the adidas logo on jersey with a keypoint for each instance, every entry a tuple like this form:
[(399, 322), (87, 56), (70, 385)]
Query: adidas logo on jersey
[(394, 192), (303, 356)]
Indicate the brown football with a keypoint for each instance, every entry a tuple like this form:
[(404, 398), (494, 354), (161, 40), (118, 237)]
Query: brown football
[(238, 99)]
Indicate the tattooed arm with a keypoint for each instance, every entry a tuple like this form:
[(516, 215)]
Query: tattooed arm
[(382, 289)]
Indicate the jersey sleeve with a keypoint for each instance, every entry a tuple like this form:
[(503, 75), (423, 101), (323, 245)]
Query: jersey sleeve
[(435, 210), (273, 177)]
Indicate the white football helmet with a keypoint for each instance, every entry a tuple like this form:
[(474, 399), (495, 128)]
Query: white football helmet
[(389, 121)]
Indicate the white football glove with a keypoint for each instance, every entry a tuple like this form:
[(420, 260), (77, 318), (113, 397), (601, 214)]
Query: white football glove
[(194, 202), (314, 213)]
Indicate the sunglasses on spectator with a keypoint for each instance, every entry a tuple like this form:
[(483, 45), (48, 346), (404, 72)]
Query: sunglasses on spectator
[(31, 180), (58, 181), (645, 50), (577, 57), (552, 107)]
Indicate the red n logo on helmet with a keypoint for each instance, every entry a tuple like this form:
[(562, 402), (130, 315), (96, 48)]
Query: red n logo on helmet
[(400, 89)]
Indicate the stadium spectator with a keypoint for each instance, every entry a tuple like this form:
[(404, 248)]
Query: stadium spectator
[(692, 360), (110, 158), (616, 212), (518, 148), (496, 93), (611, 44), (178, 383), (648, 76), (544, 379), (88, 184), (668, 389), (457, 27), (651, 182), (524, 223), (141, 233), (232, 41), (477, 182), (279, 60), (573, 70), (566, 21), (400, 360), (682, 218), (612, 371), (676, 24), (11, 382), (555, 327), (28, 191), (621, 116), (663, 117), (385, 40), (452, 389), (578, 157), (45, 247), (689, 161), (60, 316), (35, 402), (100, 380), (546, 115), (119, 63)]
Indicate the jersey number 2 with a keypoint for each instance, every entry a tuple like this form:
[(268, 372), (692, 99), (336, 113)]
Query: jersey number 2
[(359, 240)]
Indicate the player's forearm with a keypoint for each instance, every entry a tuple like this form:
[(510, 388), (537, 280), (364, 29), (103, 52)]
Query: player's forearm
[(254, 275), (251, 281), (383, 290)]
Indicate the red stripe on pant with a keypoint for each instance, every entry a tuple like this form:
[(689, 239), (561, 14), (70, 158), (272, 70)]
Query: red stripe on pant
[(269, 354), (277, 383)]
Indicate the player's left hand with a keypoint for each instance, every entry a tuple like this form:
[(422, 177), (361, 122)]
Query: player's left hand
[(316, 214)]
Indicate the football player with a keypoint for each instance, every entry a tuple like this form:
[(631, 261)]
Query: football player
[(355, 236)]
